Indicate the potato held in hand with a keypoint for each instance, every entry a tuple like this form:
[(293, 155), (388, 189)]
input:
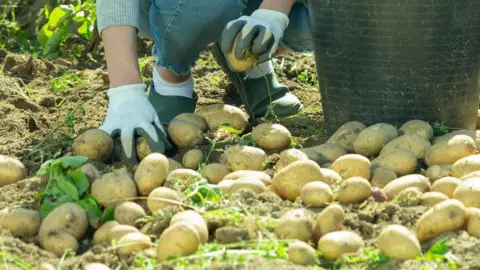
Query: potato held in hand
[(398, 242), (11, 170), (445, 216), (95, 144), (271, 136)]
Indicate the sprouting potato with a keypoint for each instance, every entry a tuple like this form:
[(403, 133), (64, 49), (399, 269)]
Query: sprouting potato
[(271, 136), (192, 159), (449, 151), (95, 144), (401, 161), (223, 114), (242, 157), (446, 185), (354, 190), (335, 244), (398, 242), (382, 176), (411, 180), (329, 220), (316, 194), (151, 173), (215, 172), (289, 156), (372, 139), (294, 224), (11, 170), (351, 165)]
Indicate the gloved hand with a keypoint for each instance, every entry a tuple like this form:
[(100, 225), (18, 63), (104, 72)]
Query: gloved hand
[(130, 113), (261, 32)]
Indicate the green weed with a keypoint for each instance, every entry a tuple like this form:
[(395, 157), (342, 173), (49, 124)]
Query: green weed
[(65, 82), (6, 258), (438, 255), (440, 129)]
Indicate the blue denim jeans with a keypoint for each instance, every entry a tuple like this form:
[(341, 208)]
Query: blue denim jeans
[(181, 29)]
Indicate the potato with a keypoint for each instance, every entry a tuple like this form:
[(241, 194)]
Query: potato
[(438, 171), (133, 242), (128, 213), (398, 242), (446, 185), (470, 175), (371, 140), (289, 181), (328, 152), (354, 190), (417, 127), (311, 154), (90, 172), (431, 198), (474, 134), (472, 221), (410, 196), (215, 172), (351, 165), (294, 224), (401, 161), (399, 184), (194, 119), (59, 241), (184, 134), (102, 234), (173, 165), (382, 176), (265, 178), (95, 144), (192, 159), (449, 151), (330, 176), (443, 217), (251, 183), (223, 114), (346, 134), (225, 185), (142, 148), (20, 222), (329, 220), (301, 253), (289, 156), (194, 219), (316, 194), (186, 176), (468, 192), (96, 266), (416, 144), (47, 266), (335, 244), (11, 170), (119, 231), (179, 239), (113, 188), (242, 157), (466, 165), (69, 217), (161, 198), (271, 136), (151, 173)]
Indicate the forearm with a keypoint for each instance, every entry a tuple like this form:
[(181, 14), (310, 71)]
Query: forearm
[(120, 45), (279, 5)]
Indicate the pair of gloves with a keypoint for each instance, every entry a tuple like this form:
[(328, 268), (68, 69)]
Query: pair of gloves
[(130, 113)]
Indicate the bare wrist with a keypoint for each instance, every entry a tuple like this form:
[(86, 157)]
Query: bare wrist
[(283, 6)]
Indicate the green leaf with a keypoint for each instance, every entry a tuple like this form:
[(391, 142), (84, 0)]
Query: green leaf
[(57, 38), (108, 214), (91, 207), (80, 181), (48, 205), (67, 188), (58, 14), (46, 11), (45, 168), (73, 162)]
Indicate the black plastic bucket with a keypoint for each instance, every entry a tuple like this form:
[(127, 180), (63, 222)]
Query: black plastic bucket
[(396, 60)]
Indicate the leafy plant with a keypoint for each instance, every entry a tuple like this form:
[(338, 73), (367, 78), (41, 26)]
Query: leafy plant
[(440, 129), (373, 258), (203, 194), (66, 81), (7, 258), (437, 255)]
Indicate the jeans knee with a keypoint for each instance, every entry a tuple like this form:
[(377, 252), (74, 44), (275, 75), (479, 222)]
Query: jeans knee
[(298, 36)]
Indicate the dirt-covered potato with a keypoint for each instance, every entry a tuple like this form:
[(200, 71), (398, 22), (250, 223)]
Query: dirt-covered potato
[(243, 157), (223, 114), (179, 239), (265, 178), (354, 190), (301, 253), (346, 134), (133, 242), (58, 241), (417, 127), (372, 139), (95, 144), (101, 235), (192, 159), (113, 188), (194, 119), (351, 165), (215, 172), (225, 185), (151, 173), (466, 165), (11, 170), (119, 231), (250, 183), (329, 220), (431, 198), (289, 156), (410, 196), (449, 151), (335, 244), (438, 171), (294, 224), (382, 176), (330, 176), (142, 148), (328, 152), (20, 222), (90, 171), (161, 198), (398, 242), (173, 165), (69, 217), (401, 161), (289, 181), (446, 185), (184, 134), (472, 221), (468, 192), (416, 144), (128, 213), (195, 219), (401, 183), (271, 136), (443, 217), (316, 194)]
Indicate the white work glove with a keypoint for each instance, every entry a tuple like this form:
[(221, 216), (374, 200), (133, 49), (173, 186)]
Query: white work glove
[(130, 113), (260, 32)]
